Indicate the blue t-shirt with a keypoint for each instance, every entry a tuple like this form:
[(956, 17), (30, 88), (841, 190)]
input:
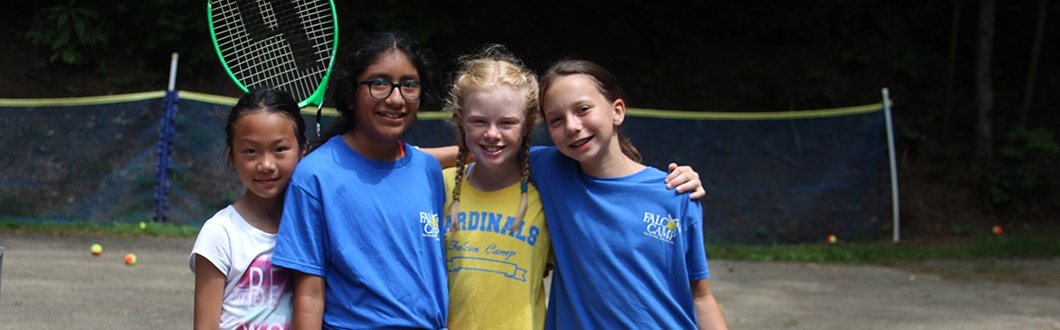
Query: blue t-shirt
[(370, 228), (626, 248)]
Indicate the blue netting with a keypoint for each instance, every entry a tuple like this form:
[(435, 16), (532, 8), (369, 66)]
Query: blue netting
[(768, 180)]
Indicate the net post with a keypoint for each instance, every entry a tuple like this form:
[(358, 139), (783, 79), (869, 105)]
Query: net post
[(165, 144), (891, 157), (173, 71)]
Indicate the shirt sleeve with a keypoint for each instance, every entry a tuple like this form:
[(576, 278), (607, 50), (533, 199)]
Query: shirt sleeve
[(536, 153), (213, 244), (696, 256), (302, 241)]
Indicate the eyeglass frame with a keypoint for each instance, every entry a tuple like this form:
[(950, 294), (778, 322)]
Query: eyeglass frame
[(393, 86)]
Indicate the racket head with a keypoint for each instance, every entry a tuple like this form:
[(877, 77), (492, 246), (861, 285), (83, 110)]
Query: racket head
[(284, 44)]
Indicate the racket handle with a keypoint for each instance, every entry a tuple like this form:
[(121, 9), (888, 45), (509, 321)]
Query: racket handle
[(320, 107)]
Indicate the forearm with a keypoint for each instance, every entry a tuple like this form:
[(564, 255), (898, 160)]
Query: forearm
[(308, 302), (209, 291), (446, 155), (708, 314)]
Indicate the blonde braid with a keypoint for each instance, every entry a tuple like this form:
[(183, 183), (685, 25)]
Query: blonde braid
[(524, 153), (461, 162), (525, 80)]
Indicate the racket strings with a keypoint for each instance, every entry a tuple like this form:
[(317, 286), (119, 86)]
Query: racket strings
[(285, 45)]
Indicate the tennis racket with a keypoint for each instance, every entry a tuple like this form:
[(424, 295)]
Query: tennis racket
[(284, 44)]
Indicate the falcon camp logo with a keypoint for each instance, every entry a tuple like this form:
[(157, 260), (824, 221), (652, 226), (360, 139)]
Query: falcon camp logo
[(430, 224), (662, 227)]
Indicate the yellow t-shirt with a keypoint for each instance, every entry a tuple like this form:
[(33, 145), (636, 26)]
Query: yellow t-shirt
[(495, 275)]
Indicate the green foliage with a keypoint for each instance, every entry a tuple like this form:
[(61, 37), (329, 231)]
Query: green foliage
[(964, 230), (70, 31), (1007, 188), (133, 33), (978, 246), (1013, 182), (1024, 143), (1021, 247), (148, 228)]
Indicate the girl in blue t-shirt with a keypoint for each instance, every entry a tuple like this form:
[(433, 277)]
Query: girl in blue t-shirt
[(629, 253), (360, 220)]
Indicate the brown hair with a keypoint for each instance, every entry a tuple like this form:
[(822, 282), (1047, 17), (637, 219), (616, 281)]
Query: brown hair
[(606, 83)]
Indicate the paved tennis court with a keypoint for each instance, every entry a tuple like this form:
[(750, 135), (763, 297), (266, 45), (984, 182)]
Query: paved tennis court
[(55, 283)]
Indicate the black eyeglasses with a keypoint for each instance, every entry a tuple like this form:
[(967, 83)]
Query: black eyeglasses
[(381, 89)]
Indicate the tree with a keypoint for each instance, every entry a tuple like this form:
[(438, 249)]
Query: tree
[(1033, 70), (984, 87), (954, 29)]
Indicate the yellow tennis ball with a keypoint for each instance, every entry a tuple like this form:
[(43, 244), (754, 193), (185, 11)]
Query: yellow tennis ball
[(97, 249), (130, 259), (143, 225)]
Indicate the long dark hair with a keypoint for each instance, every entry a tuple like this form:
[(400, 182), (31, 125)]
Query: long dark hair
[(356, 59)]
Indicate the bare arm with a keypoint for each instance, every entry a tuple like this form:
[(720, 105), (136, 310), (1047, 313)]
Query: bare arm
[(708, 312), (209, 290), (446, 155), (685, 179), (308, 301)]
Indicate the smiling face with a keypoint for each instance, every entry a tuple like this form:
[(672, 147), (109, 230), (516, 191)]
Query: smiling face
[(581, 121), (494, 121), (383, 121), (264, 152)]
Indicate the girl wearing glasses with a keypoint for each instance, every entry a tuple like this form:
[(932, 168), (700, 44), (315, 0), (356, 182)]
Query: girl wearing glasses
[(360, 221)]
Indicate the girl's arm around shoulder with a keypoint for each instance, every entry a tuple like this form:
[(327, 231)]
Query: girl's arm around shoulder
[(708, 312), (446, 155)]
